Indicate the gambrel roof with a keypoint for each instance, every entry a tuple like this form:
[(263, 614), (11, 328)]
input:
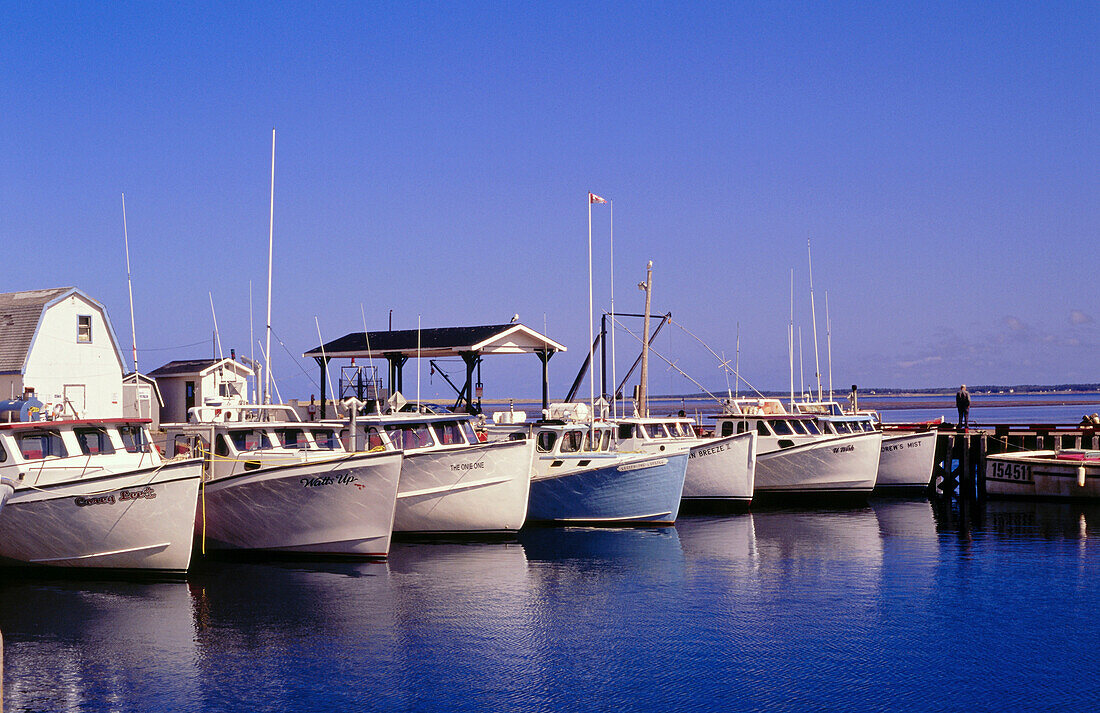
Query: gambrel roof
[(20, 315)]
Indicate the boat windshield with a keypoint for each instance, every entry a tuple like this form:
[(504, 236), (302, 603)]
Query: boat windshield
[(326, 439), (471, 434), (36, 445), (94, 440), (249, 440), (449, 433), (292, 438), (571, 441), (811, 427), (782, 428), (134, 438), (544, 443), (410, 436), (655, 431), (797, 425)]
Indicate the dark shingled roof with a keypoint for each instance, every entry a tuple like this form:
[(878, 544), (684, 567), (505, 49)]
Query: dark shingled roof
[(19, 315), (451, 339), (183, 366)]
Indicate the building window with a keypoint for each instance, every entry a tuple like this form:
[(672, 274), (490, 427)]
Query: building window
[(84, 329)]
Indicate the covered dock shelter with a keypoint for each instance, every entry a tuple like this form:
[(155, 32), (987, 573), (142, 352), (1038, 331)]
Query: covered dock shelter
[(469, 343)]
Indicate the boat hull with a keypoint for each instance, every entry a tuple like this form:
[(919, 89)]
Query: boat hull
[(832, 466), (481, 488), (612, 490), (906, 461), (722, 470), (338, 506), (1038, 475), (137, 520)]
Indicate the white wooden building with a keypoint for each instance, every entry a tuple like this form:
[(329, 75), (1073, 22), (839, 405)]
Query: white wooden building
[(60, 343), (141, 398), (198, 382)]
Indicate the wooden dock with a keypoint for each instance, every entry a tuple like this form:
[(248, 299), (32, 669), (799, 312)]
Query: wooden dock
[(959, 470)]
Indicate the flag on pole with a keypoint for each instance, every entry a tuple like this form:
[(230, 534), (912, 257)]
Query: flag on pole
[(593, 198)]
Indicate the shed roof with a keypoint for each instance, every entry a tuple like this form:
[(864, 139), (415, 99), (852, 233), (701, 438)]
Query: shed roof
[(20, 314), (438, 342), (183, 367)]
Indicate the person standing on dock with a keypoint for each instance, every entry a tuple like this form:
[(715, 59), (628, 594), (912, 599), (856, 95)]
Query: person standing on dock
[(962, 403)]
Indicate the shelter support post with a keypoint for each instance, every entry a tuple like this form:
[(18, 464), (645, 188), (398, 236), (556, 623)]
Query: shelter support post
[(323, 363), (544, 357)]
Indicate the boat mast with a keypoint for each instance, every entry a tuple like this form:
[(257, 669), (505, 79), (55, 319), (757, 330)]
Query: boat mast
[(813, 318), (790, 338), (591, 336), (829, 343), (801, 374), (130, 288), (270, 246), (614, 377), (737, 365), (643, 387)]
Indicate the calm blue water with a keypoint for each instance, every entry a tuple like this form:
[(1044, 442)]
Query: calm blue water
[(880, 608), (892, 606)]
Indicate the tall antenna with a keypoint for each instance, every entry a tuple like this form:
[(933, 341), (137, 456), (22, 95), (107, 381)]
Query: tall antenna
[(614, 378), (217, 334), (643, 395), (270, 249), (829, 343), (790, 337), (801, 374), (129, 285), (252, 347), (813, 317), (737, 364)]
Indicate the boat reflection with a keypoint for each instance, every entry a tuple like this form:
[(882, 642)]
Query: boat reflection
[(1043, 520), (79, 644)]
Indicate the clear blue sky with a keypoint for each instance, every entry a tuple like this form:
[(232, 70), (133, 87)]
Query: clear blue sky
[(434, 159)]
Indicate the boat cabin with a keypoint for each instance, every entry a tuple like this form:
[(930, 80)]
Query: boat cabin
[(42, 452), (832, 419), (411, 432)]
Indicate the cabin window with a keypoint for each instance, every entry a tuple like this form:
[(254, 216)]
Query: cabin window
[(742, 427), (605, 441), (727, 428), (410, 436), (134, 438), (545, 441), (471, 434), (93, 441), (681, 430), (812, 427), (828, 428), (571, 441), (84, 329), (36, 445), (868, 427), (626, 431), (251, 440), (228, 388), (374, 438), (654, 430), (181, 445), (782, 428), (449, 433), (3, 453), (762, 428), (798, 427), (517, 436), (292, 438), (326, 439), (221, 446)]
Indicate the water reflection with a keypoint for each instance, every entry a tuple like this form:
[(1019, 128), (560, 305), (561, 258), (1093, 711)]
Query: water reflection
[(91, 645)]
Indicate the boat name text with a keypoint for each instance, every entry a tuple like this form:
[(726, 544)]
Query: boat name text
[(1018, 472), (901, 446), (639, 466), (704, 452), (146, 493), (478, 465), (844, 449), (321, 481)]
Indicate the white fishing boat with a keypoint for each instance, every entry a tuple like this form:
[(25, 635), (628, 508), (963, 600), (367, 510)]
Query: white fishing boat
[(94, 493), (451, 482), (720, 469), (1071, 474), (274, 483), (793, 456), (907, 456), (578, 476)]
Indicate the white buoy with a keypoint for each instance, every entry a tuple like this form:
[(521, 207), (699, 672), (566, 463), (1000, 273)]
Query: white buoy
[(1080, 476)]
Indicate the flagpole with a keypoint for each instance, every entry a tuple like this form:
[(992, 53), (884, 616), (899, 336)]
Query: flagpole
[(591, 336), (270, 247)]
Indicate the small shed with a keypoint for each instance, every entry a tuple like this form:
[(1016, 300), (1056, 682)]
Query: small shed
[(60, 343), (141, 398), (187, 383), (470, 343)]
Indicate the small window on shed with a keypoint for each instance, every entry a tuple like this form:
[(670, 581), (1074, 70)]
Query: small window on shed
[(84, 329)]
